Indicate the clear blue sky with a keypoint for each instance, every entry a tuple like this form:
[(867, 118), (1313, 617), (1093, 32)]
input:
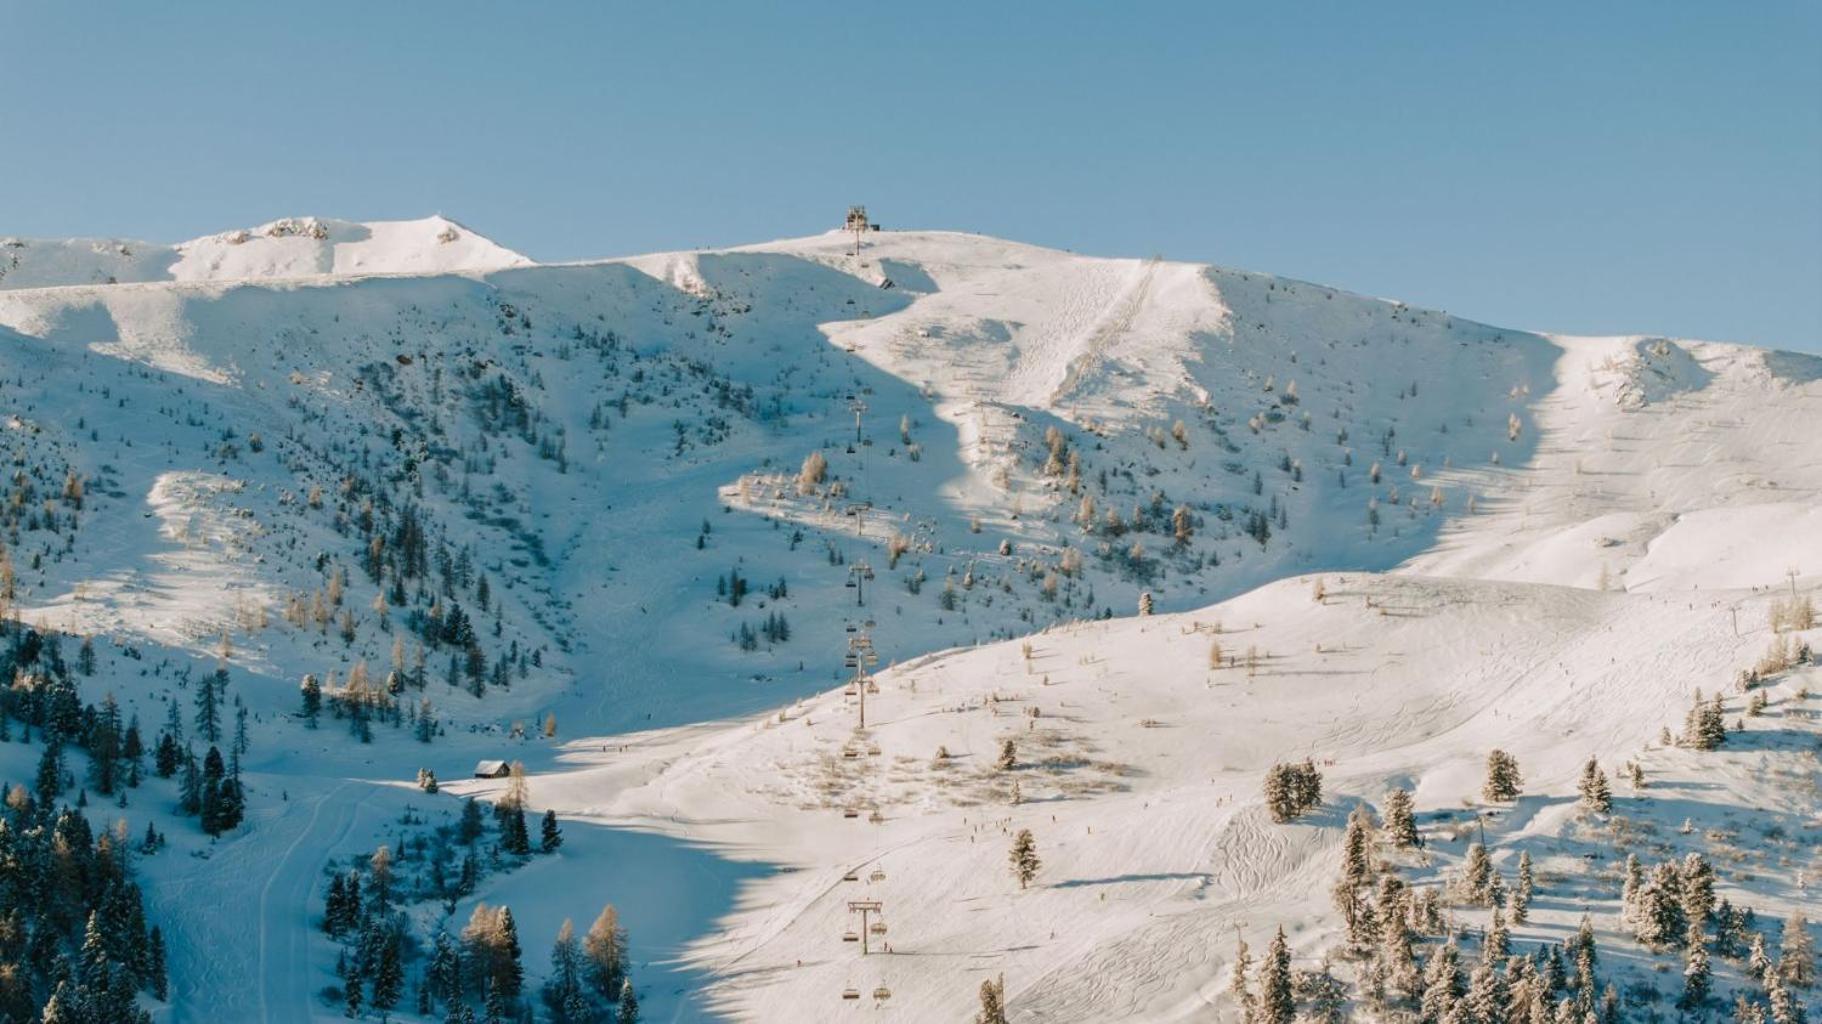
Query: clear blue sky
[(1582, 167)]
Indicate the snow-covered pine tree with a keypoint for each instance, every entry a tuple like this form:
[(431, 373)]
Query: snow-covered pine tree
[(1237, 984), (1697, 974), (1443, 985), (1024, 857), (1503, 780), (1595, 794), (628, 1010), (1277, 1003), (1356, 848), (1521, 894), (1401, 820), (1797, 952), (1477, 875)]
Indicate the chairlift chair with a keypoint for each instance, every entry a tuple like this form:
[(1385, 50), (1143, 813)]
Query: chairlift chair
[(850, 993), (877, 876), (882, 993), (878, 928)]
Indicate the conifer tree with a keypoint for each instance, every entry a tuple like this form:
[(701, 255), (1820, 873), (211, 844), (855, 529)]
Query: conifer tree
[(1009, 756), (628, 1012), (312, 696), (1758, 960), (605, 949), (1477, 875), (1237, 984), (993, 1003), (564, 990), (1356, 848), (1797, 953), (1521, 895), (1442, 983), (1277, 1005), (551, 835), (1596, 796), (155, 964), (1783, 1005), (388, 976), (1696, 971), (1503, 780), (1401, 821), (1024, 858), (515, 838)]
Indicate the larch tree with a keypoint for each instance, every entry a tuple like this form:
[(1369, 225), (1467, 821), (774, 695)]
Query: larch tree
[(605, 949)]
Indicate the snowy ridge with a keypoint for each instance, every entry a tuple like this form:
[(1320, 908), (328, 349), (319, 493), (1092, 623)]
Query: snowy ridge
[(288, 248)]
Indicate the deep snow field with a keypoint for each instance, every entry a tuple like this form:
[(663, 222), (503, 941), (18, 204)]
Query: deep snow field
[(1379, 537)]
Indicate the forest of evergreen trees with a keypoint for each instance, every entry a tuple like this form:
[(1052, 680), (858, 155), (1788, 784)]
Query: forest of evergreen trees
[(75, 945)]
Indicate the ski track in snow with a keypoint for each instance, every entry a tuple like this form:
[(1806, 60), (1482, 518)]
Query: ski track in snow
[(285, 971)]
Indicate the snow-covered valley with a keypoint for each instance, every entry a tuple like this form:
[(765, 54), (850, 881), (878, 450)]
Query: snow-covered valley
[(1160, 526)]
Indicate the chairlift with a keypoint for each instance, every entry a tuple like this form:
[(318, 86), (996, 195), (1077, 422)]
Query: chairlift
[(850, 812), (882, 993), (877, 876), (850, 936), (850, 584), (872, 750), (852, 876), (850, 993), (850, 754), (878, 928), (872, 687), (849, 627), (850, 690)]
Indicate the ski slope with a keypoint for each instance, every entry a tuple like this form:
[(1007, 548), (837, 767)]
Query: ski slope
[(1538, 542)]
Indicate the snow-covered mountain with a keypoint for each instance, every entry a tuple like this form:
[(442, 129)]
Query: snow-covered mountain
[(287, 248), (662, 493)]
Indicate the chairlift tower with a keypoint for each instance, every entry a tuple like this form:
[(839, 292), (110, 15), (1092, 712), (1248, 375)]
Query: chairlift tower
[(868, 910), (862, 572), (857, 223), (857, 405), (860, 658)]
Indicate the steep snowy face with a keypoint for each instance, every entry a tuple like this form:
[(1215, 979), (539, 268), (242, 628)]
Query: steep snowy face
[(289, 248)]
